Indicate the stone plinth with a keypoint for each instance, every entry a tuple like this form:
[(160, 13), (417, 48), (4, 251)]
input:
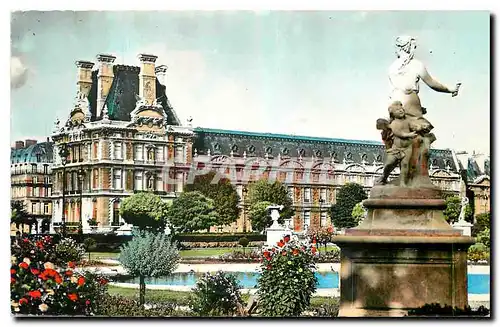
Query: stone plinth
[(403, 255)]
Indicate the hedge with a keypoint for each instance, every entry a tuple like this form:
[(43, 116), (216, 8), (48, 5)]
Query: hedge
[(218, 237)]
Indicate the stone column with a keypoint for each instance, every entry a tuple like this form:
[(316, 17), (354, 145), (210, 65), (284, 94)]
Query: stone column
[(147, 78), (104, 79), (39, 225)]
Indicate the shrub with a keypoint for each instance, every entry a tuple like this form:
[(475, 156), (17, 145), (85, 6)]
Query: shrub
[(119, 306), (218, 237), (149, 255), (216, 294), (478, 252), (238, 256), (287, 281), (38, 287), (243, 242), (330, 256), (484, 237), (435, 309), (322, 235), (68, 250)]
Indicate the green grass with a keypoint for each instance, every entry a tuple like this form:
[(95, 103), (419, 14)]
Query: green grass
[(102, 255), (209, 252)]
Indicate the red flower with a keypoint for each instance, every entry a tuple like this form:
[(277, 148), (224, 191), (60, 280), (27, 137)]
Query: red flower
[(39, 244), (266, 253), (295, 251), (12, 271), (68, 273), (35, 294), (330, 229), (73, 297), (43, 276), (281, 244), (81, 281), (87, 302), (25, 240), (286, 239), (313, 250), (35, 271), (23, 301), (268, 267), (50, 272), (71, 264), (12, 280), (58, 279), (283, 253), (103, 281), (23, 265)]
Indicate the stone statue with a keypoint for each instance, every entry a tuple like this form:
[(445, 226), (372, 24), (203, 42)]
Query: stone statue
[(140, 101), (411, 152), (465, 202)]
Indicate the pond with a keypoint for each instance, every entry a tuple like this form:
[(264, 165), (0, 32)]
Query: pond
[(477, 283)]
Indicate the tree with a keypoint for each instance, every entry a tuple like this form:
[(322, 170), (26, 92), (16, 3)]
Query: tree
[(348, 196), (272, 193), (259, 216), (482, 222), (244, 243), (453, 208), (484, 237), (358, 212), (18, 213), (145, 211), (89, 244), (192, 211), (223, 193), (149, 255)]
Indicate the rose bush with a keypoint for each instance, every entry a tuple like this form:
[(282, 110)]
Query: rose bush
[(39, 287), (287, 281), (69, 250), (322, 235), (216, 295)]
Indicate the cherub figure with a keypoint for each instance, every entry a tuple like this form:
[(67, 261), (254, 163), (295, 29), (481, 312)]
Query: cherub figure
[(398, 134)]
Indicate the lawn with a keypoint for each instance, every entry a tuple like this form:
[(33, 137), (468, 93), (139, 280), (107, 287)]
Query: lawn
[(210, 252), (102, 255)]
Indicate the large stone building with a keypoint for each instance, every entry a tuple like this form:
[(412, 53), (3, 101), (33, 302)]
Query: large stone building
[(313, 168), (476, 174), (123, 137), (31, 182)]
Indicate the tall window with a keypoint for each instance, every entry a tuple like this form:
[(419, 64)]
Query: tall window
[(139, 152), (45, 169), (307, 194), (159, 153), (138, 181), (117, 178), (33, 168), (290, 192), (179, 152), (322, 195), (307, 220), (323, 219), (118, 150), (33, 208), (96, 179), (116, 214), (46, 208)]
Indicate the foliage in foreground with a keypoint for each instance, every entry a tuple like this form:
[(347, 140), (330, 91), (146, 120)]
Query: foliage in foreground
[(435, 309), (149, 255), (69, 250), (216, 295), (120, 306), (287, 282)]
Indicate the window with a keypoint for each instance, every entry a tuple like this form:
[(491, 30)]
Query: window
[(179, 153), (323, 219), (116, 214), (38, 157), (159, 153), (34, 208), (117, 179), (46, 208), (45, 169), (35, 179), (322, 195), (118, 150), (307, 220), (96, 179), (33, 168), (138, 181), (138, 152), (290, 192), (307, 194)]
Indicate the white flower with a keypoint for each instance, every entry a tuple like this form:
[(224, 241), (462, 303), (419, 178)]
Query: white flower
[(43, 307), (48, 265), (27, 260)]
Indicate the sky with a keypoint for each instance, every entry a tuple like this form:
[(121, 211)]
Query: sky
[(314, 73)]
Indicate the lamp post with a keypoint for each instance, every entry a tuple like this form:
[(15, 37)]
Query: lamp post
[(244, 191), (81, 177), (63, 153), (320, 207)]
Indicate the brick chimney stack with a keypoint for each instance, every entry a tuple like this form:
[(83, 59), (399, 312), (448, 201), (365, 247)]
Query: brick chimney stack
[(147, 78), (19, 145), (104, 79), (84, 77), (28, 143)]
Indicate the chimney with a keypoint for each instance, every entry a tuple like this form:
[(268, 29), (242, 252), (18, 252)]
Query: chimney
[(19, 145), (30, 142), (84, 77), (147, 78), (161, 73), (104, 79)]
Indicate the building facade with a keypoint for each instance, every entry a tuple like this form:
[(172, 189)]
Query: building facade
[(312, 168), (122, 137), (31, 182)]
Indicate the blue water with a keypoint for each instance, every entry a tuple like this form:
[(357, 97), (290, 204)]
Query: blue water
[(477, 284)]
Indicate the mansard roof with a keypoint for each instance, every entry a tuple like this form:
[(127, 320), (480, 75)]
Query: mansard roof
[(222, 142), (35, 153), (474, 171), (121, 99)]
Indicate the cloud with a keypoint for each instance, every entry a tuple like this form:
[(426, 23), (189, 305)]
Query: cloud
[(18, 72)]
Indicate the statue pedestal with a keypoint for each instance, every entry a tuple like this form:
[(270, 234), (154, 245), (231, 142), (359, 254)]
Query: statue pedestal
[(464, 226), (402, 256)]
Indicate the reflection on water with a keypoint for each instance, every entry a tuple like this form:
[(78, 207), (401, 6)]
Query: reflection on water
[(477, 284)]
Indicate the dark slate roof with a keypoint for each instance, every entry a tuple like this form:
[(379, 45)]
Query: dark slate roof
[(121, 98), (258, 144), (474, 171), (40, 152)]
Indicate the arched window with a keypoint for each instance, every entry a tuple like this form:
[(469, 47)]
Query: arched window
[(116, 213)]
